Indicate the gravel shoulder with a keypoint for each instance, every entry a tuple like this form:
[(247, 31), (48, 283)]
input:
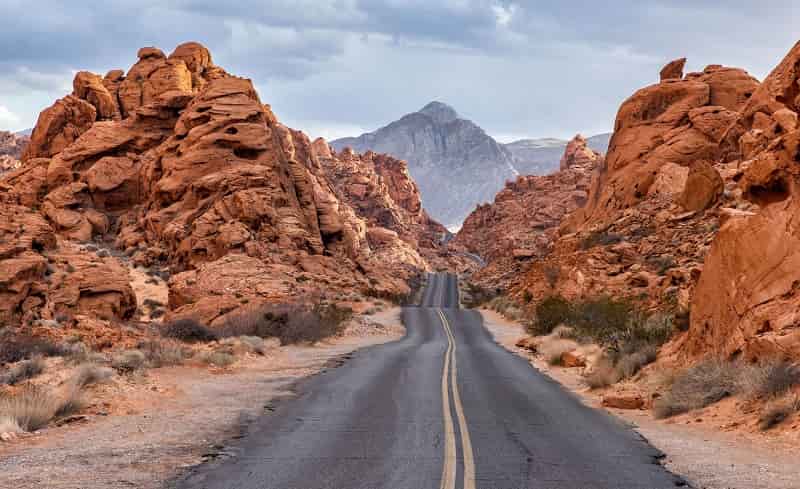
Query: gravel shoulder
[(694, 446), (169, 419)]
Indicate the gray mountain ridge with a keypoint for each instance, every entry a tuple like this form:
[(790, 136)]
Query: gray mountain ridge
[(454, 162)]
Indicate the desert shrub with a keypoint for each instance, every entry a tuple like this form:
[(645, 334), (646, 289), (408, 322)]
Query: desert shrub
[(552, 348), (290, 323), (24, 370), (551, 274), (550, 312), (629, 364), (90, 374), (217, 358), (14, 348), (604, 319), (254, 344), (768, 379), (475, 295), (188, 330), (604, 374), (699, 386), (164, 353), (777, 410), (662, 263), (33, 407), (129, 361), (600, 238)]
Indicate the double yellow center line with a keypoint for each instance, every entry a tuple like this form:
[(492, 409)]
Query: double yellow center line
[(450, 374)]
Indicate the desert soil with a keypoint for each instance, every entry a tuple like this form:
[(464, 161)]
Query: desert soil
[(697, 445), (169, 419)]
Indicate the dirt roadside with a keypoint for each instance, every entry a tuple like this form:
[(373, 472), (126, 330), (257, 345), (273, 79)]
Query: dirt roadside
[(175, 417), (694, 447)]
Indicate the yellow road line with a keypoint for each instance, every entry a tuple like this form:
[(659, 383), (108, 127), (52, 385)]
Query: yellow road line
[(466, 443), (448, 480)]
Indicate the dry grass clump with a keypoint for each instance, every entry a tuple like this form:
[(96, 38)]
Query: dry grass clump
[(553, 347), (164, 353), (189, 330), (768, 379), (604, 374), (778, 410), (699, 386), (290, 323), (33, 407), (129, 361), (507, 307), (15, 347), (90, 374), (217, 358), (245, 344), (24, 370), (629, 364)]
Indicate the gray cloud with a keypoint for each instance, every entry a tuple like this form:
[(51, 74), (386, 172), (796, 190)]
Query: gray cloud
[(518, 68)]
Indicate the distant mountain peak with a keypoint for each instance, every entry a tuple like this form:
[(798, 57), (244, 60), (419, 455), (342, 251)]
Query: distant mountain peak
[(440, 112)]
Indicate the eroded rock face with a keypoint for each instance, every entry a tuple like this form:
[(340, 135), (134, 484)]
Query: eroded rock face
[(182, 166), (673, 70), (578, 153), (522, 222), (747, 301), (673, 123)]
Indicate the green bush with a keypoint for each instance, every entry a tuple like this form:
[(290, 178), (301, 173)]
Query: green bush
[(290, 323), (188, 330), (600, 238), (551, 312), (699, 386)]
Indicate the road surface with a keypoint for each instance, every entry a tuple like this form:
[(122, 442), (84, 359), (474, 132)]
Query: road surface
[(445, 407)]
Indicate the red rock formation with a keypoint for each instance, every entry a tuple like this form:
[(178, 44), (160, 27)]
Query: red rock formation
[(673, 70), (523, 220), (180, 164), (12, 145), (747, 300), (662, 129), (577, 153)]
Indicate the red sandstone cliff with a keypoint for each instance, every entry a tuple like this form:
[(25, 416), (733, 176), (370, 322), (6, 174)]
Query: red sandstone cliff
[(180, 165)]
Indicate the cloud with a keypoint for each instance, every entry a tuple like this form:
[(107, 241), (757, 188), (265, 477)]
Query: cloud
[(544, 68), (8, 120)]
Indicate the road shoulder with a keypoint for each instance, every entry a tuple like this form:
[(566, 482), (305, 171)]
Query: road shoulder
[(174, 418), (710, 459)]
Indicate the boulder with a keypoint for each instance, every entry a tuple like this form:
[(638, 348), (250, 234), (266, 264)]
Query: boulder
[(703, 188), (673, 70), (623, 401)]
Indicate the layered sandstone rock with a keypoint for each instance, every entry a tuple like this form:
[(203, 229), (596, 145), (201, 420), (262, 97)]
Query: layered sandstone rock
[(747, 301), (12, 145), (522, 222), (11, 148), (578, 153), (661, 129), (182, 166)]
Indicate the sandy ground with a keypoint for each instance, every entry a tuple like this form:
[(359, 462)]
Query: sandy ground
[(696, 445), (171, 418)]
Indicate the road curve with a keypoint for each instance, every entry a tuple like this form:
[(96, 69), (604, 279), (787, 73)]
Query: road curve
[(445, 407)]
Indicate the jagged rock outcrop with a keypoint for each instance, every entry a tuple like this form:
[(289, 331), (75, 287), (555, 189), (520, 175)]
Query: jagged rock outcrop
[(747, 300), (673, 70), (577, 153), (662, 129), (181, 166), (12, 145), (522, 222), (11, 148), (543, 156), (454, 162)]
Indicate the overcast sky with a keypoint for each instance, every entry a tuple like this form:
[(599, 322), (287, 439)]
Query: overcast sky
[(341, 67)]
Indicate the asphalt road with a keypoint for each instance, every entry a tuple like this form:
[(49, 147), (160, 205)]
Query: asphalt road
[(445, 407)]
